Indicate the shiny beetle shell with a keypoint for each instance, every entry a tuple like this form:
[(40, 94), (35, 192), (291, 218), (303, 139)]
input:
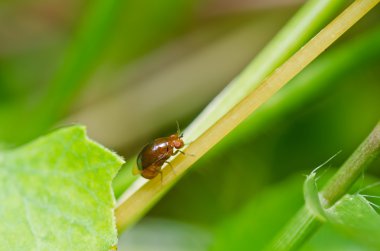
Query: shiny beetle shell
[(156, 153)]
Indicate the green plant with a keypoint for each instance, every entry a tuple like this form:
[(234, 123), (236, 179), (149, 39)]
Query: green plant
[(134, 205), (56, 190)]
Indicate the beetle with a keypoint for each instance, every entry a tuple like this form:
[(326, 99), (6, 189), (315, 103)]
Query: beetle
[(154, 154)]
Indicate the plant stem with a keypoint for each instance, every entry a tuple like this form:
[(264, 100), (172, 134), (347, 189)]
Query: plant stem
[(304, 224), (134, 204), (318, 79), (351, 170), (296, 232), (314, 15)]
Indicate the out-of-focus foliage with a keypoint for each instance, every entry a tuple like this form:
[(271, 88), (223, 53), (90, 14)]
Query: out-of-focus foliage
[(174, 235), (295, 139), (254, 226), (163, 61), (104, 27)]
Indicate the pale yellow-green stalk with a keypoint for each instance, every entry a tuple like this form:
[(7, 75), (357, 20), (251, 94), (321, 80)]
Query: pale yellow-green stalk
[(134, 202)]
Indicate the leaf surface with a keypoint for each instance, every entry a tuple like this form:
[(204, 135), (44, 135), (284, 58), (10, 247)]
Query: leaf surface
[(352, 215), (56, 194)]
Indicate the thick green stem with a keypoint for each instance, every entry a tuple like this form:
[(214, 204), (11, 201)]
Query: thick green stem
[(304, 25), (138, 200), (297, 231)]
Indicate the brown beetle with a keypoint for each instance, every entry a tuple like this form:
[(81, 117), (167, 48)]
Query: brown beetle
[(156, 153)]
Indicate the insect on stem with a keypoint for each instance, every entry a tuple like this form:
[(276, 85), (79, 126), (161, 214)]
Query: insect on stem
[(156, 153)]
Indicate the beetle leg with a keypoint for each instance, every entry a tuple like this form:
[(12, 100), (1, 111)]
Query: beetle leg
[(171, 166), (179, 151), (182, 152)]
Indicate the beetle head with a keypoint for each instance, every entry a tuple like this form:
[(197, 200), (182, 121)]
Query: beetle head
[(176, 141)]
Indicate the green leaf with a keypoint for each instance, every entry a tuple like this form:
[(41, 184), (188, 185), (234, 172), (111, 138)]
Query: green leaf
[(328, 239), (311, 193), (352, 215), (312, 199), (56, 194), (253, 227)]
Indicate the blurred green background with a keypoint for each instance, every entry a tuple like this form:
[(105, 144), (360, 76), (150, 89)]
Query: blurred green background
[(129, 69)]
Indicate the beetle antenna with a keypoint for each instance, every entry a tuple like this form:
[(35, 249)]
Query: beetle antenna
[(179, 130)]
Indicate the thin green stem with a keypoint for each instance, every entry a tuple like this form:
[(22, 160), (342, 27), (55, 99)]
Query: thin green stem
[(304, 223), (352, 169), (296, 232), (322, 76), (312, 17)]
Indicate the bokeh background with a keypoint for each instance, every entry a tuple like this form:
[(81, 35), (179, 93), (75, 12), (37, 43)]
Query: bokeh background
[(162, 61)]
